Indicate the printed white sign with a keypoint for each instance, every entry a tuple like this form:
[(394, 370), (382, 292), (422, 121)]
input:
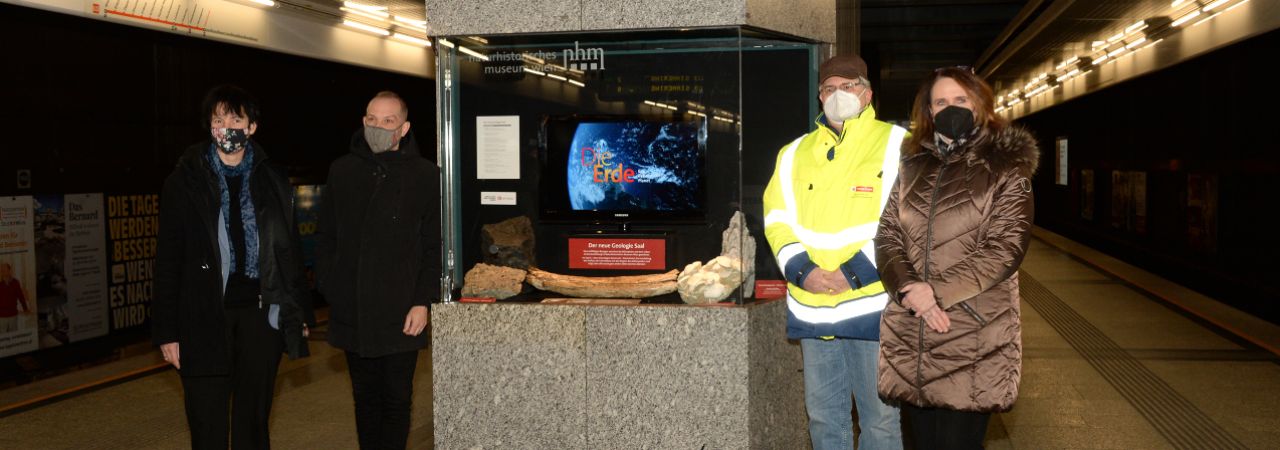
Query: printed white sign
[(498, 147)]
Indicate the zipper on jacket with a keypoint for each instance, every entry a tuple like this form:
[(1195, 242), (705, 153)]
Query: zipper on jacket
[(969, 309), (928, 248)]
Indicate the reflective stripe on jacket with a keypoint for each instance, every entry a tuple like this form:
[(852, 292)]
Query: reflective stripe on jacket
[(826, 212)]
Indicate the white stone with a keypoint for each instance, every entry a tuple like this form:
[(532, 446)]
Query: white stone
[(736, 242), (703, 284)]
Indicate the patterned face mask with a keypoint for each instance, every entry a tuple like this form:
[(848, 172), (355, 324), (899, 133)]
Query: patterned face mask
[(380, 139), (230, 140)]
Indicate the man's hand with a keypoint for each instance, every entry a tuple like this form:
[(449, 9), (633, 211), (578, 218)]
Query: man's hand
[(918, 297), (170, 352), (820, 281), (416, 320)]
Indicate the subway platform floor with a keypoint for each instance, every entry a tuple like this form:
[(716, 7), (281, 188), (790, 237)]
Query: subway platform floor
[(1114, 358)]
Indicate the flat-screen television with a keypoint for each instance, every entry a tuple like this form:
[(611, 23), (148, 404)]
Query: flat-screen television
[(622, 169)]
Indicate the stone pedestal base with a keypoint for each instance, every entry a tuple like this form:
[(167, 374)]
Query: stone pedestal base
[(591, 377)]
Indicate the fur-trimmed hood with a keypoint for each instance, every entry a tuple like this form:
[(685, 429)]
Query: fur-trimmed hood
[(1012, 146)]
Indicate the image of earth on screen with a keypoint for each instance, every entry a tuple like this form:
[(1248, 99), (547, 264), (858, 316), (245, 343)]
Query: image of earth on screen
[(635, 165)]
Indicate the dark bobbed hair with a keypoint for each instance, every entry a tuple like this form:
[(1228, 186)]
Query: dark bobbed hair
[(981, 97), (229, 98)]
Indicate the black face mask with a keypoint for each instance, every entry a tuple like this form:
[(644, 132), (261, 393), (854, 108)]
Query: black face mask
[(953, 122)]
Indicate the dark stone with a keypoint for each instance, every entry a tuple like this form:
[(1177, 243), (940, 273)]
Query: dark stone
[(508, 243)]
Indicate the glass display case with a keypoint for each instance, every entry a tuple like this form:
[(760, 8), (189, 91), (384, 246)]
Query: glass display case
[(629, 153)]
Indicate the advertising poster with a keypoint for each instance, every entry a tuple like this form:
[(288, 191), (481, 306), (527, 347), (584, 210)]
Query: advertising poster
[(1202, 212), (18, 304), (133, 222), (1086, 194), (85, 267), (51, 279), (1120, 199), (1138, 193)]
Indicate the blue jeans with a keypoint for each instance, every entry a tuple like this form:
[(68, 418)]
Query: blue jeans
[(834, 371)]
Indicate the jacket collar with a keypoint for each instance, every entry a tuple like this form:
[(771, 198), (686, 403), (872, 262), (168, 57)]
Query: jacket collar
[(853, 126)]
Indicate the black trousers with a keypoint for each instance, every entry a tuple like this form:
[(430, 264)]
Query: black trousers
[(245, 394), (945, 429), (383, 391)]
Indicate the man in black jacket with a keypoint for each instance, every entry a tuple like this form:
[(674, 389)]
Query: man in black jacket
[(379, 265), (230, 294)]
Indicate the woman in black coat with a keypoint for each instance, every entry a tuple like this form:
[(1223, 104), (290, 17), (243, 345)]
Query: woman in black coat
[(230, 294)]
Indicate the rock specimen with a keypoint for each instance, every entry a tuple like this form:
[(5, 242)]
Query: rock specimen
[(636, 286), (703, 284), (508, 243), (499, 282), (737, 243)]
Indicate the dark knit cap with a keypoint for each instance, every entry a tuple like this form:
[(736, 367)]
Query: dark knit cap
[(848, 66)]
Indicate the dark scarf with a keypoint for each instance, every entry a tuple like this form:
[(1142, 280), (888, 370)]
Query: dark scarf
[(242, 170)]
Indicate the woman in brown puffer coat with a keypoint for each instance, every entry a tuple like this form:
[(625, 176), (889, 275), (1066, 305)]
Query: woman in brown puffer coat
[(951, 239)]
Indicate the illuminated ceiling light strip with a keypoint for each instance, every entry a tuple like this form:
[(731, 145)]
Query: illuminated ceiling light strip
[(1213, 5), (414, 22), (535, 72), (370, 8), (1138, 26), (478, 39), (1184, 19), (1235, 5), (1097, 44), (660, 105), (400, 23), (577, 83), (369, 28), (1176, 3), (556, 77), (1117, 37), (1136, 43), (1117, 52), (1206, 19), (267, 3), (363, 14), (1098, 61), (533, 59), (446, 43), (474, 53), (1068, 62), (647, 102), (411, 39)]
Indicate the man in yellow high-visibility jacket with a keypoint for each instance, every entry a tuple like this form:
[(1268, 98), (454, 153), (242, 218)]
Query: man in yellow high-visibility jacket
[(822, 208)]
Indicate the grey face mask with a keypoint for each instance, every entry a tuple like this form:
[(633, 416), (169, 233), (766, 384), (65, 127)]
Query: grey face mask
[(380, 139)]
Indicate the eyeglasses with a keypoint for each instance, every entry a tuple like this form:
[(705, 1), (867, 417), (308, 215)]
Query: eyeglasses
[(964, 68), (847, 87)]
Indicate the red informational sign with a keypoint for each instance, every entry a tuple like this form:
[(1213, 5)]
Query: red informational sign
[(771, 288), (617, 253)]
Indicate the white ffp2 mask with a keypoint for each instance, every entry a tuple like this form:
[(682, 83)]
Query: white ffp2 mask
[(841, 106)]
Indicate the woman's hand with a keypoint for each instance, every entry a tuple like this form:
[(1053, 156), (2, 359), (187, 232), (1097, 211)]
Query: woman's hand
[(170, 352), (918, 297)]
